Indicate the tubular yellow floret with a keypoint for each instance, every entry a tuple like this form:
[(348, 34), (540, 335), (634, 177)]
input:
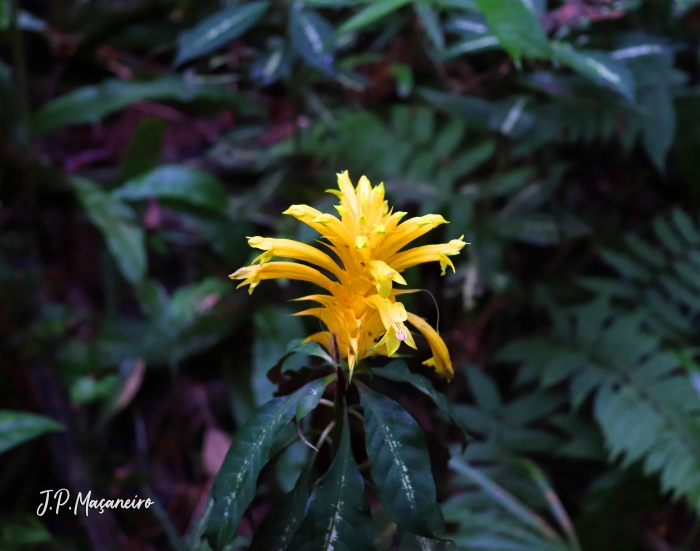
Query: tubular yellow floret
[(428, 253), (441, 357), (361, 315)]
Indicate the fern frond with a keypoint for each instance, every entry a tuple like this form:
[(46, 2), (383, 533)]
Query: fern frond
[(643, 400), (663, 276)]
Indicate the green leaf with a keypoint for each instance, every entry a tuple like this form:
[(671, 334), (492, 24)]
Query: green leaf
[(87, 389), (431, 24), (504, 498), (450, 137), (516, 27), (483, 390), (471, 45), (17, 427), (144, 149), (411, 542), (23, 534), (658, 123), (597, 66), (685, 226), (474, 110), (273, 65), (398, 371), (274, 327), (117, 223), (338, 515), (372, 13), (555, 505), (403, 75), (92, 103), (191, 302), (176, 182), (281, 523), (310, 34), (400, 465), (218, 29), (234, 485)]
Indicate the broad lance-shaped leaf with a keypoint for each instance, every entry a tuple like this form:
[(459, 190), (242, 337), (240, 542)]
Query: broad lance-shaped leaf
[(179, 183), (373, 12), (400, 465), (338, 516), (118, 225), (516, 27), (17, 427), (310, 33), (93, 103), (279, 526), (234, 486), (398, 371), (218, 29)]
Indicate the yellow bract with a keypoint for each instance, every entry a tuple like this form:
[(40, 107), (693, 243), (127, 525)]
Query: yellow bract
[(361, 314)]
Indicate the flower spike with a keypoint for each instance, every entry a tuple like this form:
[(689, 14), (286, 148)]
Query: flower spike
[(361, 314)]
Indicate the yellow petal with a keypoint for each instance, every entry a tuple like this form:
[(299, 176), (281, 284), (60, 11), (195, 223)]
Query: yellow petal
[(376, 202), (349, 199), (441, 357), (383, 275), (428, 253), (325, 224), (409, 231), (288, 248), (252, 275)]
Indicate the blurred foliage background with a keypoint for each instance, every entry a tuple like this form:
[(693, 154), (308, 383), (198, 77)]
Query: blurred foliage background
[(143, 140)]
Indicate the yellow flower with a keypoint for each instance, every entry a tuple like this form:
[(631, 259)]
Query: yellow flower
[(361, 315)]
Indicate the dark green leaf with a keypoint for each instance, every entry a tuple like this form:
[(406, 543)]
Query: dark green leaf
[(274, 65), (471, 45), (17, 427), (179, 183), (144, 150), (338, 515), (600, 67), (431, 24), (404, 79), (516, 27), (410, 542), (117, 223), (24, 533), (400, 465), (281, 523), (372, 13), (504, 498), (309, 34), (483, 389), (218, 29), (234, 486), (193, 301), (398, 371), (93, 103), (274, 329), (475, 110)]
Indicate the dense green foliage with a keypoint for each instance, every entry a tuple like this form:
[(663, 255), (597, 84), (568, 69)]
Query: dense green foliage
[(142, 141)]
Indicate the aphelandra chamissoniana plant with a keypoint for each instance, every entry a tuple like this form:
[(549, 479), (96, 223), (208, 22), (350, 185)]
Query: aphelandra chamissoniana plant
[(361, 312), (364, 253)]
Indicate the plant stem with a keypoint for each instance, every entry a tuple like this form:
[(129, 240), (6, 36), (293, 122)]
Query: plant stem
[(20, 75), (339, 402)]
